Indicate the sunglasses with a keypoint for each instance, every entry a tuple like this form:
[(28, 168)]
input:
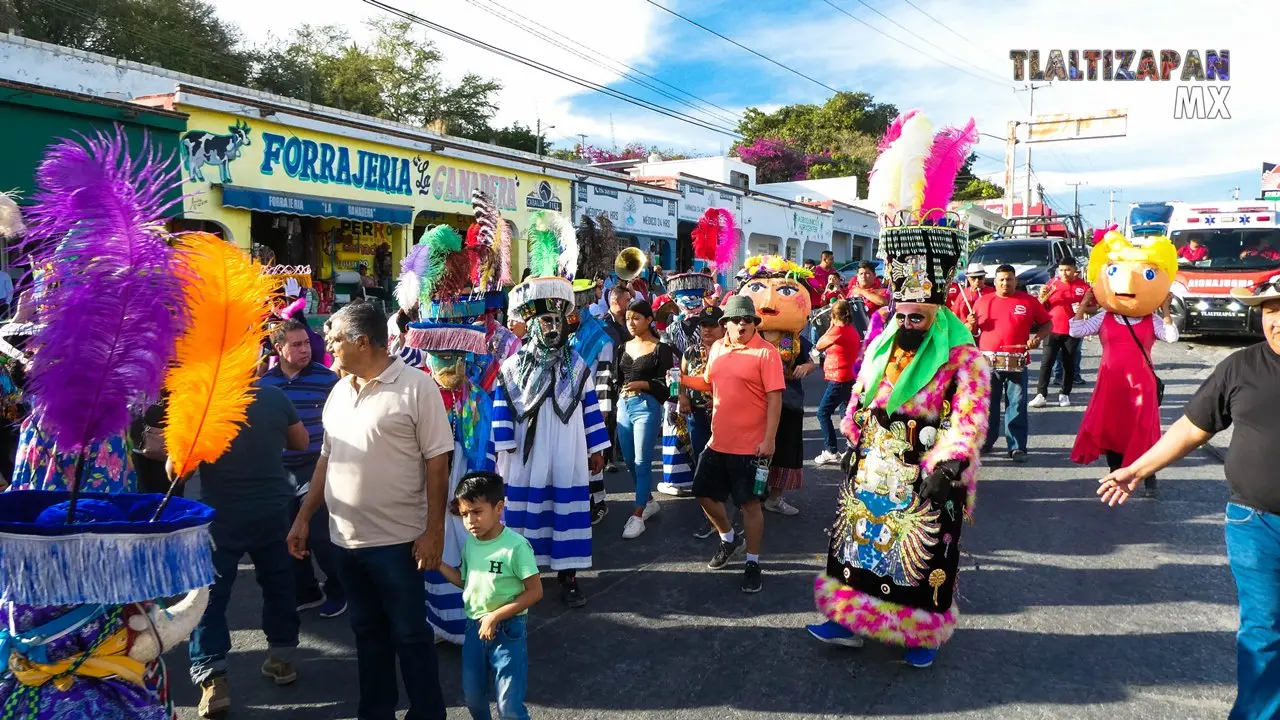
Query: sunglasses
[(913, 318), (739, 320)]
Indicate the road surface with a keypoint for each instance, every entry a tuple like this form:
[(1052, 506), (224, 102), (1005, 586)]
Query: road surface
[(1069, 609)]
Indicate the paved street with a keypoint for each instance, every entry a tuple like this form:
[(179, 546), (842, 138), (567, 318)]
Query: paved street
[(1070, 609)]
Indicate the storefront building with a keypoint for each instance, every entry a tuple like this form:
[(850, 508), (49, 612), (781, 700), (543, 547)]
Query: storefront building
[(32, 118), (796, 231), (328, 189), (644, 217), (854, 233)]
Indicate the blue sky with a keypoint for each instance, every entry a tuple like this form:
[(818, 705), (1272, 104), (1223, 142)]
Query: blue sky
[(1161, 158)]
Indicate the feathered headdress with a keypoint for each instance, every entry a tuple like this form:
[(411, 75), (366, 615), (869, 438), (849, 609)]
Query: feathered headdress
[(715, 239), (553, 245), (210, 384), (11, 225), (482, 240), (911, 184), (112, 302), (597, 247), (412, 267), (914, 177), (441, 241)]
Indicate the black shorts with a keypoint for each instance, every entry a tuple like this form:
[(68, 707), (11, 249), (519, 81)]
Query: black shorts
[(720, 476)]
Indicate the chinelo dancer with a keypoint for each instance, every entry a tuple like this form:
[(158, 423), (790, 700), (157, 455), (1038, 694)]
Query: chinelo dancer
[(715, 242), (916, 420), (547, 424)]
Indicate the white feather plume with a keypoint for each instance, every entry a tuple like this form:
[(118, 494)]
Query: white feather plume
[(11, 225), (917, 138), (885, 181), (568, 235), (407, 288)]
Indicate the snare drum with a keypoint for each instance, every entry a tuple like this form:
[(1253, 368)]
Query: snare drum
[(1007, 361)]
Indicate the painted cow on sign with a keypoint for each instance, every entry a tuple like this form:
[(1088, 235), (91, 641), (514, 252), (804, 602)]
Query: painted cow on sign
[(200, 148)]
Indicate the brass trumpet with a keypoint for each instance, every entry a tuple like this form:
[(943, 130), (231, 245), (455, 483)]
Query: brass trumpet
[(630, 263)]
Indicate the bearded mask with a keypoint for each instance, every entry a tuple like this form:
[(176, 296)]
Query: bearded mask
[(448, 369), (1129, 280), (549, 330)]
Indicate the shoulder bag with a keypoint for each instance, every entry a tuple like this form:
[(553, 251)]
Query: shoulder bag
[(1159, 382)]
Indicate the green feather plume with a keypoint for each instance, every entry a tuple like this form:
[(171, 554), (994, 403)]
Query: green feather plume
[(443, 241), (544, 245)]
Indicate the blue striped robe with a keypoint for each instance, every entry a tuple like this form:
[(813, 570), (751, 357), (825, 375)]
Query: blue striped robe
[(548, 498)]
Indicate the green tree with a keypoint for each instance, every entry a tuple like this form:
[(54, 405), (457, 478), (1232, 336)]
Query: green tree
[(972, 187), (839, 136), (180, 35), (395, 77)]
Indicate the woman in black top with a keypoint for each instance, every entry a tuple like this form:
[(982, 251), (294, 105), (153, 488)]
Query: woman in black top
[(643, 372)]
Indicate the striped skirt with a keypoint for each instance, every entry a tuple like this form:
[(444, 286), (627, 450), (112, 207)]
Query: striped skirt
[(677, 466)]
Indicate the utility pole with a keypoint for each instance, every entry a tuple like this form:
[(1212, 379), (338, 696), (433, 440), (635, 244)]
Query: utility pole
[(1031, 109), (1010, 161), (539, 137), (1076, 201), (1111, 213), (582, 146)]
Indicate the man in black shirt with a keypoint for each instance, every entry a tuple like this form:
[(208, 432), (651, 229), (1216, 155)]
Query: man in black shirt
[(1244, 392)]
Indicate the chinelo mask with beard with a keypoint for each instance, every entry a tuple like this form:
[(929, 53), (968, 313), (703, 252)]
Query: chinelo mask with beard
[(548, 330), (910, 339), (448, 368)]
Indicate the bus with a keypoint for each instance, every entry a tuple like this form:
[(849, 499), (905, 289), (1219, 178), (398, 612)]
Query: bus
[(1222, 245)]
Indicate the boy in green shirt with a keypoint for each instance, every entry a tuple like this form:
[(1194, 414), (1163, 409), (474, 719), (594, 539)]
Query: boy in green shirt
[(500, 582)]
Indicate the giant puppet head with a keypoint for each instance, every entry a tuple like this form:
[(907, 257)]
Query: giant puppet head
[(777, 287), (1130, 280)]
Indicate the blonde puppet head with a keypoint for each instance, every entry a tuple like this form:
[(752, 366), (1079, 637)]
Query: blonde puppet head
[(1131, 280)]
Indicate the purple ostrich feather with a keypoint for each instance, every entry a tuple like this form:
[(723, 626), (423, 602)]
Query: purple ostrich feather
[(112, 306)]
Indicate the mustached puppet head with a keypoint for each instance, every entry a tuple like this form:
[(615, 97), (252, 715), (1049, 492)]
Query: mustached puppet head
[(777, 287), (1130, 280)]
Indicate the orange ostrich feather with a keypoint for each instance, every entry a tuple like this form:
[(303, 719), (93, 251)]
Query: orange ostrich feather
[(228, 300)]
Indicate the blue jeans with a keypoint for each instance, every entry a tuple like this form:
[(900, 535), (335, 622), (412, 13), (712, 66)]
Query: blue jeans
[(318, 542), (264, 543), (1012, 423), (639, 424), (837, 394), (505, 660), (1253, 550), (385, 598), (699, 432)]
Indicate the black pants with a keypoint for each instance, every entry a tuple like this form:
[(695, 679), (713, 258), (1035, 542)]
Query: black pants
[(1114, 460), (1055, 345)]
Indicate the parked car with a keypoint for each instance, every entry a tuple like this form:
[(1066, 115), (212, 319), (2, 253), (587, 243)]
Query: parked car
[(849, 269), (1034, 260)]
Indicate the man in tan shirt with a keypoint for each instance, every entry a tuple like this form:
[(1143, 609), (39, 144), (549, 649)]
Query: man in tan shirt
[(384, 475)]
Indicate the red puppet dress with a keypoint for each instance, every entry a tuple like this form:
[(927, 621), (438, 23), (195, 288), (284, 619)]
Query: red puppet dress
[(1123, 415)]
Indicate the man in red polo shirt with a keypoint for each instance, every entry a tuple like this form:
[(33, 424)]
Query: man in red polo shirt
[(963, 297), (1061, 297), (1008, 324)]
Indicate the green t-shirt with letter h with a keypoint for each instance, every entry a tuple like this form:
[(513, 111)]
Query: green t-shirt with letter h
[(493, 571)]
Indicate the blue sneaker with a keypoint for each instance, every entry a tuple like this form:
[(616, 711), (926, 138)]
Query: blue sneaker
[(332, 608), (833, 633), (920, 657)]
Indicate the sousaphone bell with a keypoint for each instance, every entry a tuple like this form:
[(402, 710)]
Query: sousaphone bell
[(630, 263)]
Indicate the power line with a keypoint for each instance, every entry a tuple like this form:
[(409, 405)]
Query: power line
[(859, 20), (731, 41), (941, 24), (524, 24), (925, 40), (639, 102)]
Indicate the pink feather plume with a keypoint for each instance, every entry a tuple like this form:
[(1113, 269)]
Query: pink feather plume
[(1099, 233), (727, 249), (942, 165), (894, 130)]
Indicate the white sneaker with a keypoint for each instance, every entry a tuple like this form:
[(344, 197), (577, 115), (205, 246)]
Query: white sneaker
[(826, 457), (1038, 402), (782, 507), (633, 529), (651, 509), (667, 488), (1063, 400)]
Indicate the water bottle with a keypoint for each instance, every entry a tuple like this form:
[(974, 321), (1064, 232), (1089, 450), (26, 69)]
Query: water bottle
[(761, 486), (673, 379)]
